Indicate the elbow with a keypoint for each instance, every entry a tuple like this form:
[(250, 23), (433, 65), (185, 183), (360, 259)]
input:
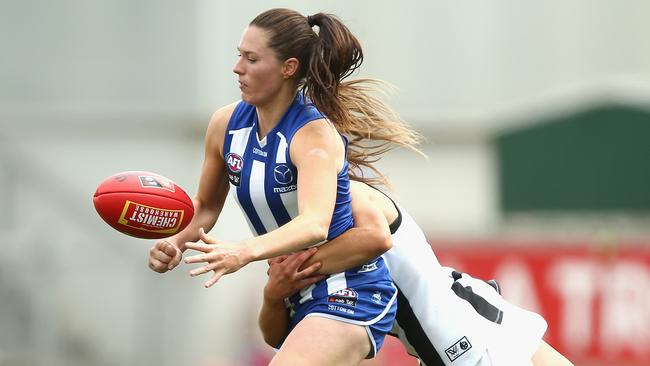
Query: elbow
[(268, 334), (383, 242), (319, 234), (379, 242), (318, 230), (270, 340)]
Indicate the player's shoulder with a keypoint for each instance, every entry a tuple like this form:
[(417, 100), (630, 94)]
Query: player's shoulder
[(222, 115), (317, 133), (217, 126), (317, 126)]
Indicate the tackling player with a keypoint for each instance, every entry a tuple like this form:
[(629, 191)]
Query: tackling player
[(444, 317)]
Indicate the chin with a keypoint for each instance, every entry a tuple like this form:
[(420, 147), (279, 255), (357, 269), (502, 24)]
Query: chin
[(250, 100), (246, 98)]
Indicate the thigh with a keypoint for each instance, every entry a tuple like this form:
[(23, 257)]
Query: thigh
[(319, 341)]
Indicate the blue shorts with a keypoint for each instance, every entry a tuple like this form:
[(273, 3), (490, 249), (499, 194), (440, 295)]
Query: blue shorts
[(371, 305)]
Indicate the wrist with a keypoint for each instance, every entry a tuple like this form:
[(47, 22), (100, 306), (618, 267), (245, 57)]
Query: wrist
[(273, 301), (251, 252), (180, 245)]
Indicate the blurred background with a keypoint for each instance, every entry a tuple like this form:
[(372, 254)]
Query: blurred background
[(537, 122)]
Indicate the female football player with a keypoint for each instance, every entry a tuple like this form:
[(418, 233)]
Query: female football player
[(281, 152)]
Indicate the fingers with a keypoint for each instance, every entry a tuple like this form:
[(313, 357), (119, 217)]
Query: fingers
[(163, 256), (309, 270), (307, 253), (160, 256), (311, 280), (297, 259), (201, 270), (206, 238), (217, 275), (167, 248), (199, 258), (278, 259), (289, 264), (176, 260), (205, 248), (157, 266)]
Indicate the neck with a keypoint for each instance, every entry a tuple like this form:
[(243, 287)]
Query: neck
[(269, 114)]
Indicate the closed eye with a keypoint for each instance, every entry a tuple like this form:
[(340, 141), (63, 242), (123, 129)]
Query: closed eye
[(247, 55)]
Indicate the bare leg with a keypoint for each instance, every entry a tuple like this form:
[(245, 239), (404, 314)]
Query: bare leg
[(548, 356), (317, 341)]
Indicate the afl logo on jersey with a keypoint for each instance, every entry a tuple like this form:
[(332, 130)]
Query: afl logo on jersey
[(234, 163), (282, 174)]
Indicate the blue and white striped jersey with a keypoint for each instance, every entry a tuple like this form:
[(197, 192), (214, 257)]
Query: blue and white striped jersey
[(264, 182), (262, 176)]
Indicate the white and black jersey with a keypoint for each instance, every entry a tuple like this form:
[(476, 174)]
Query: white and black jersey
[(449, 318)]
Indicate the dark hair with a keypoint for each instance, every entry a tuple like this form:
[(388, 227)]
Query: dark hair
[(325, 59)]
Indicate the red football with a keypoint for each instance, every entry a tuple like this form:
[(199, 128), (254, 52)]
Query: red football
[(142, 204)]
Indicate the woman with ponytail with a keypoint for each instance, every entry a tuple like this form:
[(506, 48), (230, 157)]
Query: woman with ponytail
[(326, 59), (287, 152)]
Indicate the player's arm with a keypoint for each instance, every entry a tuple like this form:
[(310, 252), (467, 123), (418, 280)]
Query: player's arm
[(273, 321), (368, 239), (317, 152), (209, 200), (213, 184), (284, 280)]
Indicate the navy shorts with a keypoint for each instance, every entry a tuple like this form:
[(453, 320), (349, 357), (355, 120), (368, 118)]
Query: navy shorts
[(372, 306)]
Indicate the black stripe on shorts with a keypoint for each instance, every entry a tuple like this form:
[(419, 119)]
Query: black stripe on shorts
[(482, 306), (414, 333)]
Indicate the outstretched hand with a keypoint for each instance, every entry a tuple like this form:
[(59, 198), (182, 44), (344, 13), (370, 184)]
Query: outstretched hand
[(220, 257)]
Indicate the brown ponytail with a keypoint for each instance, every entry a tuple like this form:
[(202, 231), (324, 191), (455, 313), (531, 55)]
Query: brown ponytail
[(325, 60)]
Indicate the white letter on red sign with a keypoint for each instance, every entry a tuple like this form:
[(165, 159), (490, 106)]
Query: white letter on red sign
[(575, 282)]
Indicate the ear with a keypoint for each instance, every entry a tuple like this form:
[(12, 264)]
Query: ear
[(290, 67)]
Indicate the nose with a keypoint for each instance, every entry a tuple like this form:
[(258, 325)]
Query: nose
[(238, 69)]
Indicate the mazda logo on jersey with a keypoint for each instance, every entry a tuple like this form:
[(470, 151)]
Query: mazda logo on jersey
[(282, 174)]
